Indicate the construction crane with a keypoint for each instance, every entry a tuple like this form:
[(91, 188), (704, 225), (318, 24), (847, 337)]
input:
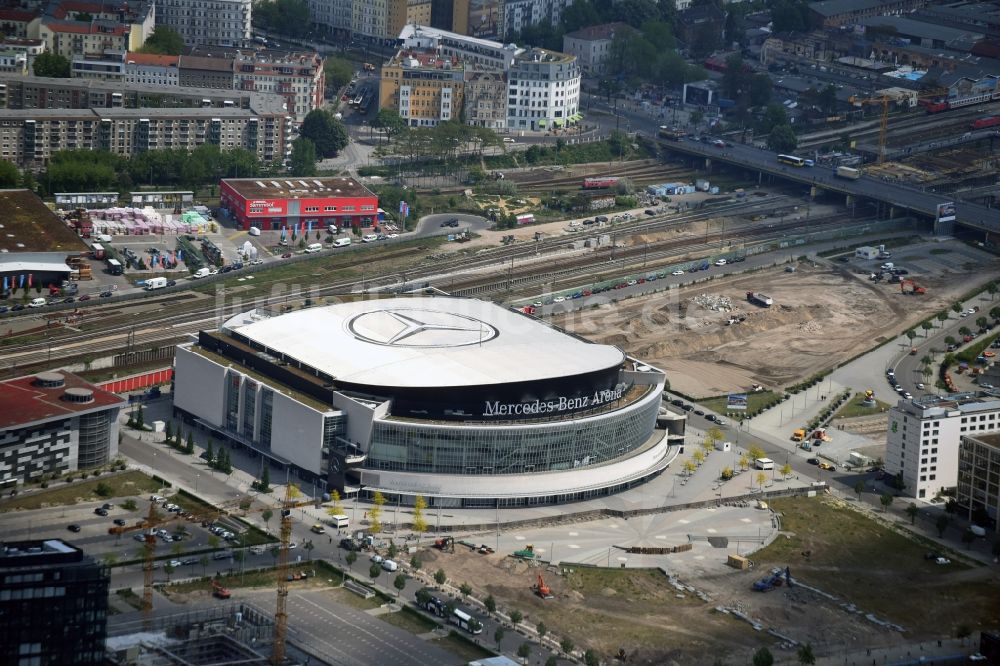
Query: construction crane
[(884, 122), (155, 519), (884, 101)]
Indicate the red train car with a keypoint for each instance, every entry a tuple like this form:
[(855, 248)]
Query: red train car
[(983, 123), (599, 183)]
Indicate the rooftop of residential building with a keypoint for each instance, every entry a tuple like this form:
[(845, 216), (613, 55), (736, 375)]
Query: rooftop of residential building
[(425, 59), (952, 404), (151, 59), (837, 7), (89, 28), (257, 54), (596, 33), (543, 56), (17, 15)]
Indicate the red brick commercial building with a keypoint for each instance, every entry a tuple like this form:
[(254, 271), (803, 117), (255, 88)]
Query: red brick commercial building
[(268, 203)]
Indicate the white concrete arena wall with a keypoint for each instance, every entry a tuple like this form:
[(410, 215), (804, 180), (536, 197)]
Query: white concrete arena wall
[(199, 386), (297, 433)]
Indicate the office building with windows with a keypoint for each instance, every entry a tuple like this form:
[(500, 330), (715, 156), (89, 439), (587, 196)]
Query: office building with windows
[(463, 401), (543, 90), (268, 203), (53, 604), (55, 422), (925, 434), (978, 492)]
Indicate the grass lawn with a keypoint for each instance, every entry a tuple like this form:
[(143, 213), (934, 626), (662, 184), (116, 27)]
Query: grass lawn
[(256, 578), (123, 484), (348, 598), (409, 620), (855, 408), (755, 401), (882, 570), (463, 648)]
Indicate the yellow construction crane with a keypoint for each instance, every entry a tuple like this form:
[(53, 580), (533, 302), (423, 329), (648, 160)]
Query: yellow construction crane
[(156, 519), (883, 125), (884, 101)]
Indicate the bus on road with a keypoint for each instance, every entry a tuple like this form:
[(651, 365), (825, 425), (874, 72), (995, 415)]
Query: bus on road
[(791, 159)]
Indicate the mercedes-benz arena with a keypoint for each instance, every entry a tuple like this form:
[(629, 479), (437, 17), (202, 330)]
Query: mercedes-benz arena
[(462, 401)]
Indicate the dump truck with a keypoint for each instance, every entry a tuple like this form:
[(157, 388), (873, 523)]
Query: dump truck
[(798, 435), (849, 173), (760, 299)]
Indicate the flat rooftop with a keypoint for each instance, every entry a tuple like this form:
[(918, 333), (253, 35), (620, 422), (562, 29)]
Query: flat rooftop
[(28, 225), (425, 342), (961, 402), (30, 400), (297, 188)]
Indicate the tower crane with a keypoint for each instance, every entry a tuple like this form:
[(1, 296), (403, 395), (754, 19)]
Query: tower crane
[(883, 101), (156, 519)]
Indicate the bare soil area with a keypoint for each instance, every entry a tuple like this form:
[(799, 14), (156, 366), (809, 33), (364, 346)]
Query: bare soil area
[(823, 314)]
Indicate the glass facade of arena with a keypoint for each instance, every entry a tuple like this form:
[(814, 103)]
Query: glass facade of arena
[(508, 449)]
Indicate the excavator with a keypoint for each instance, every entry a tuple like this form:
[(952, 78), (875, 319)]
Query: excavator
[(218, 591), (543, 590), (907, 286)]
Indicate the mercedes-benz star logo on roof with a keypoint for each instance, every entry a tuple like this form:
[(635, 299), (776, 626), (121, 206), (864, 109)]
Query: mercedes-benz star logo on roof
[(401, 327)]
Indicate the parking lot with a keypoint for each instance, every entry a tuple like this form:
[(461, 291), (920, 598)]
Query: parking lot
[(92, 526)]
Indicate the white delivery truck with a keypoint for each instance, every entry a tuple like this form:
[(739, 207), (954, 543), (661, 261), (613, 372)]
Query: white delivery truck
[(201, 272), (763, 463), (156, 283), (313, 247), (342, 242), (369, 238), (340, 521)]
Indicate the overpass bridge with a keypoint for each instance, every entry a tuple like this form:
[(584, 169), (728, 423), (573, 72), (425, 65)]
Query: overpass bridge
[(899, 198)]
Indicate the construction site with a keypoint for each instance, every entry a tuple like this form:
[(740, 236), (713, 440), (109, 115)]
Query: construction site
[(711, 340)]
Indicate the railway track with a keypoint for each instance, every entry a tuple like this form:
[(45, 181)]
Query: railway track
[(637, 174), (118, 331), (899, 127)]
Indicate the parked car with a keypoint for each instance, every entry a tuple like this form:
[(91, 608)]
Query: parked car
[(120, 522), (100, 511), (73, 527)]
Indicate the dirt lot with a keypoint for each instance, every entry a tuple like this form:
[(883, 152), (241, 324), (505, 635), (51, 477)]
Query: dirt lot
[(825, 544), (823, 314)]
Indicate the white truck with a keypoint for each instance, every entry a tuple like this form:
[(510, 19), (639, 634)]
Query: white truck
[(763, 463), (760, 299), (155, 283), (850, 173)]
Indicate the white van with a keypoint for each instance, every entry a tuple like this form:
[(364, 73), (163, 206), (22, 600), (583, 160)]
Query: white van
[(201, 272), (313, 247), (156, 283), (38, 303), (390, 566), (369, 238), (332, 228), (342, 242), (254, 231), (763, 463), (340, 521), (104, 238)]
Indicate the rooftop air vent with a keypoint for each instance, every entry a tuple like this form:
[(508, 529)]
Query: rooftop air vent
[(78, 395), (49, 380)]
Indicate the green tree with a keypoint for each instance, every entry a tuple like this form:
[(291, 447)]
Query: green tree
[(51, 65), (168, 432), (942, 317), (465, 589), (303, 159), (351, 558), (104, 490), (541, 629), (590, 658), (374, 571), (339, 73), (267, 514), (516, 616), (390, 122), (440, 577), (288, 17), (553, 660), (886, 500), (806, 655), (566, 645), (910, 334), (164, 41), (491, 604), (926, 326), (761, 89), (957, 307), (210, 454), (264, 485), (498, 636), (782, 139), (326, 132), (167, 569), (859, 488), (524, 651), (763, 657), (189, 447), (399, 583), (9, 175)]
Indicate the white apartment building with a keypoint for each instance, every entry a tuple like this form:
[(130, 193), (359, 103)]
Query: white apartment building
[(483, 54), (219, 22), (337, 16), (543, 90), (519, 14), (925, 433), (592, 45), (150, 69)]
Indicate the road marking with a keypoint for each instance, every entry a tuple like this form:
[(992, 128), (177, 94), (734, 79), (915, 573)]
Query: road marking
[(683, 521), (573, 546), (519, 538), (745, 520), (574, 534), (660, 536), (711, 530)]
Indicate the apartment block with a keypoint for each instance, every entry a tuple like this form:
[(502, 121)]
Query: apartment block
[(925, 434), (216, 22), (543, 90), (424, 87), (592, 45), (28, 138), (116, 25), (486, 100)]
